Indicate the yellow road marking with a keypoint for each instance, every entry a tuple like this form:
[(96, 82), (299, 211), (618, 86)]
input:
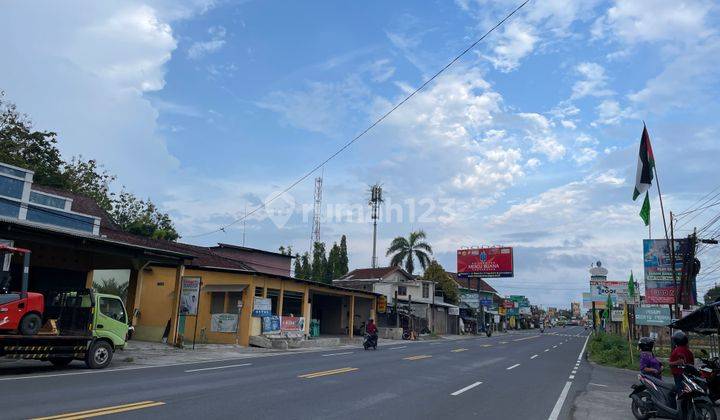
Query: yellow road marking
[(458, 350), (327, 372), (422, 356), (527, 338), (103, 411)]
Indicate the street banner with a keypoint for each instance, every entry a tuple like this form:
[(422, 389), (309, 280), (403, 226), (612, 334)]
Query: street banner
[(657, 316), (618, 291), (588, 301), (190, 289), (453, 310), (224, 323), (508, 304), (382, 304), (616, 315), (524, 310), (292, 323), (271, 324), (262, 307), (659, 285), (485, 262)]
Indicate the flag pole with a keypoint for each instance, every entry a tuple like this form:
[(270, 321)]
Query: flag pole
[(671, 245)]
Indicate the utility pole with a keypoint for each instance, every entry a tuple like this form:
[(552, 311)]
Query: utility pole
[(375, 200), (672, 264), (317, 211)]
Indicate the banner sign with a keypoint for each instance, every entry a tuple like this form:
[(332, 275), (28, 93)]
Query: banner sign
[(618, 291), (658, 316), (616, 315), (659, 286), (453, 310), (473, 300), (588, 301), (189, 293), (224, 323), (271, 324), (485, 262), (292, 323), (262, 307), (508, 304), (524, 310)]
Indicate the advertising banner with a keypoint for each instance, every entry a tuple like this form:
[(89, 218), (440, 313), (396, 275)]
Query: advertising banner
[(271, 324), (382, 304), (453, 310), (618, 291), (262, 307), (485, 262), (508, 304), (659, 287), (292, 323), (189, 293), (657, 316), (524, 310), (616, 315), (588, 301), (224, 323)]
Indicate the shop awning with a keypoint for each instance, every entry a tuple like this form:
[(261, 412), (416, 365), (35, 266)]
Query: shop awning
[(224, 287)]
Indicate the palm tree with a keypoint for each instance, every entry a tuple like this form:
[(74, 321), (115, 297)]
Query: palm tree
[(407, 249)]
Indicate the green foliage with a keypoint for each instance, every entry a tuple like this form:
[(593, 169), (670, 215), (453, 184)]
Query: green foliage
[(306, 272), (112, 287), (318, 269), (407, 249), (22, 146), (344, 261), (712, 295), (285, 251), (436, 273), (612, 350)]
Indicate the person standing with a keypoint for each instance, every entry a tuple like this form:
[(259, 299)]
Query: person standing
[(681, 355)]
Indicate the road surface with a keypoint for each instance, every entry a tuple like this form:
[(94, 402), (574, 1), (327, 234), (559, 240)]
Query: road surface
[(522, 375)]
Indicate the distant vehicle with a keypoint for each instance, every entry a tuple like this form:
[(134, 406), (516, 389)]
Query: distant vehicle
[(22, 311)]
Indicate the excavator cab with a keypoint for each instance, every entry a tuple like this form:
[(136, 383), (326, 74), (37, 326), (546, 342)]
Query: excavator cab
[(20, 311)]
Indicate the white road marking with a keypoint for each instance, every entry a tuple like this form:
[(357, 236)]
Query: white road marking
[(467, 388), (558, 405), (435, 343), (594, 384), (572, 376), (397, 348), (554, 347), (547, 349), (533, 356), (513, 366), (337, 354), (218, 367)]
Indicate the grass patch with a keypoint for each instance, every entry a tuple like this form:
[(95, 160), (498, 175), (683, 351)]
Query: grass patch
[(612, 350)]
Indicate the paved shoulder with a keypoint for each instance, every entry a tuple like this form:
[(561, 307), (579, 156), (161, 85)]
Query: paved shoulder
[(605, 395)]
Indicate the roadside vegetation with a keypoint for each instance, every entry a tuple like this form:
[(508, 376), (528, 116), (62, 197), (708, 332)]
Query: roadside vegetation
[(612, 350)]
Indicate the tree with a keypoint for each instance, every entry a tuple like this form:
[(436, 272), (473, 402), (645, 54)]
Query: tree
[(344, 262), (142, 218), (407, 249), (334, 263), (297, 266), (285, 251), (306, 271), (712, 295), (111, 287), (88, 179), (437, 274), (318, 271)]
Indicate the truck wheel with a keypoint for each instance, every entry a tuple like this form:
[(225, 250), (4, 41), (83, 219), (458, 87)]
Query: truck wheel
[(100, 355), (61, 361), (30, 324)]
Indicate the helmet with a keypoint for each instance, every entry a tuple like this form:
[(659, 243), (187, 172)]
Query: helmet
[(679, 338), (646, 344)]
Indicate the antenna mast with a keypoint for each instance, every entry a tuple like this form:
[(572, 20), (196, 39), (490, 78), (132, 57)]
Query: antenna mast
[(317, 212), (375, 200)]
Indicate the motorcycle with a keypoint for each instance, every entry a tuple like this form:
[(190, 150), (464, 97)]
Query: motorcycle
[(371, 340), (652, 397), (710, 371)]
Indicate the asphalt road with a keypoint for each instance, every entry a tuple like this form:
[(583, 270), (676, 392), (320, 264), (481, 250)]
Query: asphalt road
[(524, 375)]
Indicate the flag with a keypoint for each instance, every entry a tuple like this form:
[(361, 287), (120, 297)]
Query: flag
[(631, 288), (625, 320), (645, 210), (646, 163)]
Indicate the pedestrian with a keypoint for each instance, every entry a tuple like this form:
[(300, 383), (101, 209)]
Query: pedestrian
[(681, 355), (649, 364)]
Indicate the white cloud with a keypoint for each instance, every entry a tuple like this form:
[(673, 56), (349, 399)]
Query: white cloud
[(584, 155), (517, 41), (541, 136), (200, 49), (568, 124), (381, 70), (493, 169), (610, 113), (594, 82)]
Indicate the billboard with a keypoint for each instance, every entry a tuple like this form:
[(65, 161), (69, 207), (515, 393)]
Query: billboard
[(618, 291), (575, 309), (657, 316), (190, 289), (485, 262), (588, 301), (659, 287)]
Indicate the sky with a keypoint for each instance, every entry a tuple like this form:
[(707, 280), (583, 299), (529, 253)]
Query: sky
[(530, 140)]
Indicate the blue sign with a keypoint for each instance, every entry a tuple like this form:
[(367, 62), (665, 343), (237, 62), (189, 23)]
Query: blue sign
[(271, 324), (262, 307)]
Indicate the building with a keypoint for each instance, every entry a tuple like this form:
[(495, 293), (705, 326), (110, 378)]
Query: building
[(414, 302), (474, 294), (71, 237)]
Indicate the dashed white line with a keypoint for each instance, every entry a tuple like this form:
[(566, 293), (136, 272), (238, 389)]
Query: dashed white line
[(572, 376), (594, 384), (467, 388), (533, 356), (547, 349), (218, 367), (554, 347), (513, 366), (337, 354), (558, 405), (397, 348)]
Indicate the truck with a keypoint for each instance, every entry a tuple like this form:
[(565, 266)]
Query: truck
[(90, 326)]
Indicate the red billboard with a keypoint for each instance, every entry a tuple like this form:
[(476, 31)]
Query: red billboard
[(485, 262)]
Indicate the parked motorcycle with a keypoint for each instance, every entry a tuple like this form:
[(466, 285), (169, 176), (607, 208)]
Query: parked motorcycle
[(652, 397), (371, 340), (710, 371)]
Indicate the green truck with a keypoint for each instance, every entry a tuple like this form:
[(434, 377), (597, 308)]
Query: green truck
[(88, 326)]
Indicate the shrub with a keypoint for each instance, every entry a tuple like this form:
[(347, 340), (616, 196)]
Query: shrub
[(612, 350)]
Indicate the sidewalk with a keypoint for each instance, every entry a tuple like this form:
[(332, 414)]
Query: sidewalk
[(606, 395)]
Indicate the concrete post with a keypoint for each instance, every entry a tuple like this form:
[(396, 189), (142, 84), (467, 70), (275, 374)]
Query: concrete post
[(351, 321)]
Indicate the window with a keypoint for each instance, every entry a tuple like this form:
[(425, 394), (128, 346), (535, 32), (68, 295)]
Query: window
[(259, 291), (402, 291), (9, 208), (60, 218), (10, 171), (11, 187), (232, 305), (274, 296), (217, 302), (426, 290), (292, 303), (113, 308), (47, 200)]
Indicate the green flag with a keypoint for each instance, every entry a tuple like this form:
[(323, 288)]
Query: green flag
[(645, 210), (631, 287)]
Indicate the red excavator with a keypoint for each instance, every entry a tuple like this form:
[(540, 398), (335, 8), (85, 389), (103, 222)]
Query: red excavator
[(21, 311)]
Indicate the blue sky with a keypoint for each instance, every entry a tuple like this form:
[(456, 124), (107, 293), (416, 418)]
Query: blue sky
[(530, 140)]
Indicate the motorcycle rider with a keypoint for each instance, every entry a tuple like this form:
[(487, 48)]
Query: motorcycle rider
[(681, 355), (371, 330), (649, 364)]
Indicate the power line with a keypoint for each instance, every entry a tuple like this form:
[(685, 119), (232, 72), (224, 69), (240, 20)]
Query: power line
[(370, 127)]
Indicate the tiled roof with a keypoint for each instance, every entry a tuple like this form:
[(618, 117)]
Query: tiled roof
[(471, 284), (372, 273)]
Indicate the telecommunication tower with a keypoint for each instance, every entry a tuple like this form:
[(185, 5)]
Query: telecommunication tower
[(375, 200), (317, 213)]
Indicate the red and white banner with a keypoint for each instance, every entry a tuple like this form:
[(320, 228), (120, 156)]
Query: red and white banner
[(485, 262)]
